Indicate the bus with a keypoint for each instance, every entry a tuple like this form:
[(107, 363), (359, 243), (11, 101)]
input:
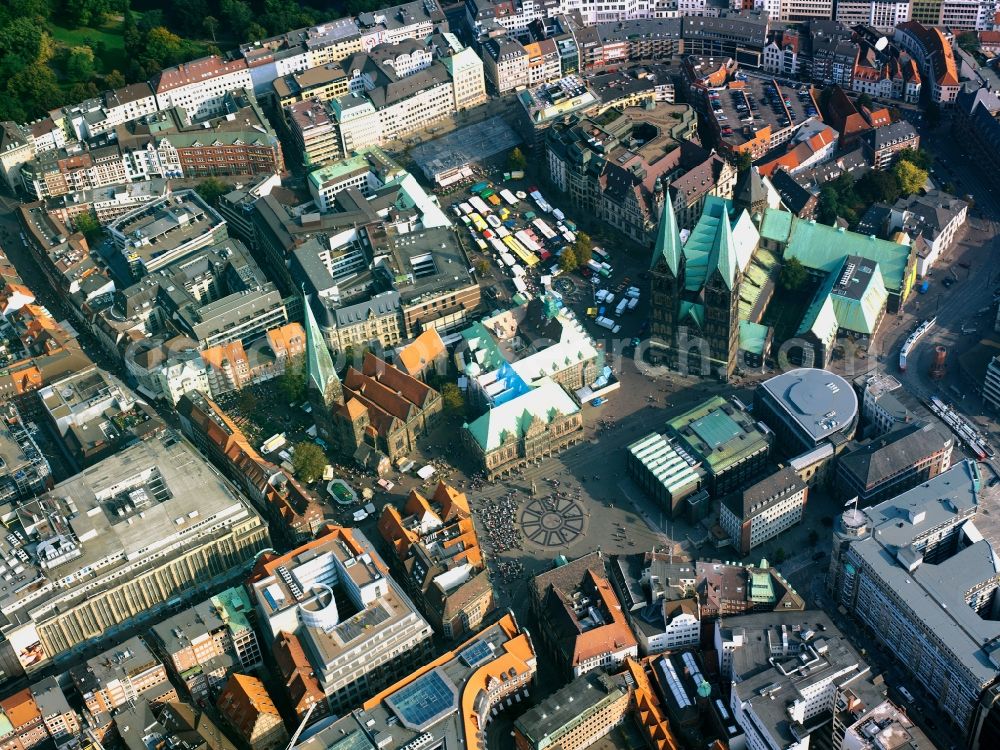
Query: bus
[(465, 208), (478, 222), (600, 255)]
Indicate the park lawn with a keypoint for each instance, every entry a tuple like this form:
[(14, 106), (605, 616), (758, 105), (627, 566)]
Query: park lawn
[(112, 57)]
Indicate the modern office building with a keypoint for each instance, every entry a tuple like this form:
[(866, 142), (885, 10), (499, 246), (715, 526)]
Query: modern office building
[(448, 702), (358, 628), (725, 439), (806, 407), (763, 510), (787, 671), (922, 578), (24, 472), (666, 472), (165, 230), (149, 525)]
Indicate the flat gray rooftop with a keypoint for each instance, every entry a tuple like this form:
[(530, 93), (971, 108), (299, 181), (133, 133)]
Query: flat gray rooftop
[(819, 401), (467, 145)]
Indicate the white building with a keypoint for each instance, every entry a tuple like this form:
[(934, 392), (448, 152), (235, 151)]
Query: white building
[(936, 217), (358, 629), (991, 386), (505, 62), (881, 14), (786, 669), (109, 110), (365, 171), (16, 148), (658, 597), (763, 510), (183, 373), (794, 11), (200, 86), (781, 60), (468, 78)]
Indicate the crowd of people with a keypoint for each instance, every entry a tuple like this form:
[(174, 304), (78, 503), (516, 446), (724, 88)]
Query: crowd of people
[(498, 518)]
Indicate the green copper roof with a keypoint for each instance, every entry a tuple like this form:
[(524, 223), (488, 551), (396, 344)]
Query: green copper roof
[(777, 225), (695, 311), (717, 434), (320, 371), (753, 337), (862, 315), (668, 238), (725, 251), (823, 248), (711, 246)]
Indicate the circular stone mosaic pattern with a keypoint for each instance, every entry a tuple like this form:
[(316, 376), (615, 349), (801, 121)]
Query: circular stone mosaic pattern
[(564, 286), (552, 522)]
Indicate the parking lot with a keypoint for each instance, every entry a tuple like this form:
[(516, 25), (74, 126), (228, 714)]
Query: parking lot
[(758, 103)]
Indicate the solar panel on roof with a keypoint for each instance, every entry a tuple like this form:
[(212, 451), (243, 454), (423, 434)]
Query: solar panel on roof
[(477, 653), (423, 701)]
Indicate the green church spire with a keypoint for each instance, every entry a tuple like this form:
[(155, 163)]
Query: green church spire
[(668, 238), (320, 372)]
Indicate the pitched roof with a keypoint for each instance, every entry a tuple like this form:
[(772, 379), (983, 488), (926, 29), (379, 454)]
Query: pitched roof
[(424, 350), (668, 238), (545, 402), (319, 364), (886, 456)]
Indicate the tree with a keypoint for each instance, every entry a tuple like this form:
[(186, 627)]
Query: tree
[(90, 227), (793, 274), (162, 45), (779, 556), (744, 161), (969, 41), (237, 17), (80, 63), (877, 187), (114, 80), (211, 189), (516, 160), (453, 400), (568, 260), (813, 537), (482, 267), (917, 156), (583, 248), (865, 101), (211, 23), (292, 383), (308, 461), (74, 13), (911, 178)]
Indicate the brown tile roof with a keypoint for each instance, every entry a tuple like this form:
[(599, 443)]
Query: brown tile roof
[(21, 708), (424, 350), (196, 71)]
